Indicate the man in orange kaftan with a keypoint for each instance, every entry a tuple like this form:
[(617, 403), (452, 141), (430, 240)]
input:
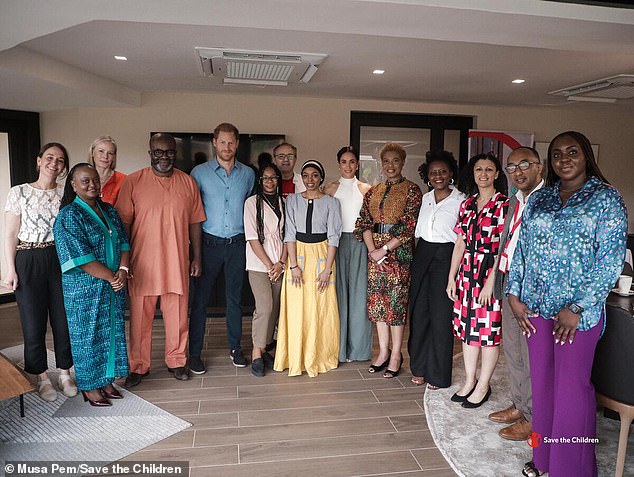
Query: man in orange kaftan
[(161, 209)]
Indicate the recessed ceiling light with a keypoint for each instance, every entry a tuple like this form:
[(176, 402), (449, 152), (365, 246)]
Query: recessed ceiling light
[(120, 58), (518, 81), (378, 72)]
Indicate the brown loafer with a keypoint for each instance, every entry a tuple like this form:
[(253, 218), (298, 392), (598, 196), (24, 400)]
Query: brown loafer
[(518, 431), (506, 416)]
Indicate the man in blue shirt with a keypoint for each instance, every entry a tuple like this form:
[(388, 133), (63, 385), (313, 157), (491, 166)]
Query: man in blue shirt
[(224, 186)]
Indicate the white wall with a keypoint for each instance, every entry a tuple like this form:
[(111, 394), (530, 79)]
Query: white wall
[(319, 127)]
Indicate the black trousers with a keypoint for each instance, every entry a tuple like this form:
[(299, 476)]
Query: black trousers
[(430, 344), (40, 299)]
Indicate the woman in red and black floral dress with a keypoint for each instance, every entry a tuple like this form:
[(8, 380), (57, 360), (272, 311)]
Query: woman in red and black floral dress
[(386, 224), (477, 314)]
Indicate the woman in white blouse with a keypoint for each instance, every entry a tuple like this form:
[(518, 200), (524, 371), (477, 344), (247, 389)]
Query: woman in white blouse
[(266, 257), (355, 343), (430, 342), (33, 270)]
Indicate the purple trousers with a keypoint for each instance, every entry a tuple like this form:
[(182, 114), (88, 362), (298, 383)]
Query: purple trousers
[(564, 405)]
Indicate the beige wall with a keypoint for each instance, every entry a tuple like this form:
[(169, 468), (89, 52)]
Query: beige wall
[(319, 127)]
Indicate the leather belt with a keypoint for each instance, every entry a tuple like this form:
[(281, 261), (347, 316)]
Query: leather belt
[(382, 228)]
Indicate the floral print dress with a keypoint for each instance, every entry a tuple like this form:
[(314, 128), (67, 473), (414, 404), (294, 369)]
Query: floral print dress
[(474, 324), (396, 205)]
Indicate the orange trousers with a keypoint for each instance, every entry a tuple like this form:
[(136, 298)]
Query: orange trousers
[(174, 309)]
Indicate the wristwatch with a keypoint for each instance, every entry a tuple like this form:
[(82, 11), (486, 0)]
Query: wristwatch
[(576, 309), (387, 250)]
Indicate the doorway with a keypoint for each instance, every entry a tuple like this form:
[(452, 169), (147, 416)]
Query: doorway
[(19, 145), (417, 133)]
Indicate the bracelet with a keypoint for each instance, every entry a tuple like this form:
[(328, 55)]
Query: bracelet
[(124, 268), (293, 268)]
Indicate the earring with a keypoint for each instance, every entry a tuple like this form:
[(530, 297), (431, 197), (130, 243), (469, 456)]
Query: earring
[(429, 184), (451, 181)]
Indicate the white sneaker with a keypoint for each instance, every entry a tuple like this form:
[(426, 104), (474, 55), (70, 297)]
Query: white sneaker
[(67, 385), (46, 390)]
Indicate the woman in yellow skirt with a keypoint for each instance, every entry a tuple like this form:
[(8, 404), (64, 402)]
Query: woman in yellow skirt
[(308, 328)]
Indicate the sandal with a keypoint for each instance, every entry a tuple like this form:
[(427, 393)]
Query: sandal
[(46, 390), (390, 373), (530, 470), (431, 387), (418, 380), (67, 385)]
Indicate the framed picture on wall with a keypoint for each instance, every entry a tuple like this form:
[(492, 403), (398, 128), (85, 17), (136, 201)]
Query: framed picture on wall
[(196, 148)]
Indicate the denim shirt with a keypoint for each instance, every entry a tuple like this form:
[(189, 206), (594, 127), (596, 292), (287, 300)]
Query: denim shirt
[(572, 253), (223, 196)]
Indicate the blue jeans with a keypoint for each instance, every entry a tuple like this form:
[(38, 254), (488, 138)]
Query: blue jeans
[(216, 254)]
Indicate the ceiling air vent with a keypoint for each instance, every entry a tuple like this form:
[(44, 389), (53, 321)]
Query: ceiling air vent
[(264, 68), (605, 90)]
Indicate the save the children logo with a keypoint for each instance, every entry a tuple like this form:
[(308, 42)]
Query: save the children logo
[(534, 439)]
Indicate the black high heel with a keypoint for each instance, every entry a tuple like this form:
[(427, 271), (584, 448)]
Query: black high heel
[(458, 398), (473, 405), (103, 402), (114, 394), (389, 373), (375, 369)]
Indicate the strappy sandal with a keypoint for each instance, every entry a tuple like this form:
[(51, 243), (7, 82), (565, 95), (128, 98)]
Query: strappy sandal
[(431, 387), (67, 385), (530, 470), (46, 390), (418, 380)]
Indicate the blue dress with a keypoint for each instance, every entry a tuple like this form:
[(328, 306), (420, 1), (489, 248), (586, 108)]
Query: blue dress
[(95, 312)]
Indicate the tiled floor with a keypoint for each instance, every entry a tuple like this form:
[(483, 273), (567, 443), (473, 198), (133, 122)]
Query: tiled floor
[(342, 423)]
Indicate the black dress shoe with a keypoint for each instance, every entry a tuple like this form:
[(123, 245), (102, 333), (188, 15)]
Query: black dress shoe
[(134, 379), (181, 373), (473, 405), (268, 360), (257, 367), (458, 398)]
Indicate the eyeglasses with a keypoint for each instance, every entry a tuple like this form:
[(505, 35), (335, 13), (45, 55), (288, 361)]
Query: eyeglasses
[(285, 156), (269, 178), (159, 153), (523, 165)]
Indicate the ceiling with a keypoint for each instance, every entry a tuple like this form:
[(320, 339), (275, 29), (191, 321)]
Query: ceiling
[(56, 55)]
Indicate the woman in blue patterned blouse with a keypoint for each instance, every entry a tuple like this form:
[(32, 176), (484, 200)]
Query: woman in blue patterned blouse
[(570, 253)]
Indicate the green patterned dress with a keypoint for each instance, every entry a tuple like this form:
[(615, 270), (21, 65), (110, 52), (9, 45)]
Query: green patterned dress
[(95, 312)]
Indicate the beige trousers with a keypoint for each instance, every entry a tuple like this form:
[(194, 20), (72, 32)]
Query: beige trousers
[(267, 307)]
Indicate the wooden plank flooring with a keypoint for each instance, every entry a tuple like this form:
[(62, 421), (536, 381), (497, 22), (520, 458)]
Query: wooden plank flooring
[(342, 423)]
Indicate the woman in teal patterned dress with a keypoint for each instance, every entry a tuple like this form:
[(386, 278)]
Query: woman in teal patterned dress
[(94, 254)]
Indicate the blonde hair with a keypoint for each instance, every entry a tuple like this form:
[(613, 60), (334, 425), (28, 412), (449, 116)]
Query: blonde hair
[(91, 149)]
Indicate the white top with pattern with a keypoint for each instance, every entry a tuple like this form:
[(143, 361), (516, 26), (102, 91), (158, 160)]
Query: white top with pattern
[(37, 210)]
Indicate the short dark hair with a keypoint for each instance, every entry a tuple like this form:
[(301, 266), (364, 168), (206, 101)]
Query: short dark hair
[(592, 168), (532, 151), (467, 180), (228, 128), (438, 155)]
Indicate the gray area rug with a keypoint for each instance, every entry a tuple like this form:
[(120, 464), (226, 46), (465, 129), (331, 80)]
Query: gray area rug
[(69, 429), (471, 445)]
